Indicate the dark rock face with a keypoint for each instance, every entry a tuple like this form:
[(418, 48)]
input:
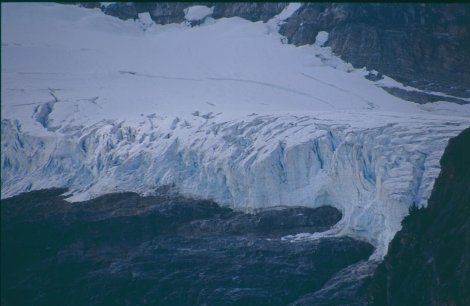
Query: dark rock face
[(349, 282), (421, 97), (273, 223), (250, 11), (428, 262), (165, 13), (123, 249), (424, 45), (121, 10), (90, 5)]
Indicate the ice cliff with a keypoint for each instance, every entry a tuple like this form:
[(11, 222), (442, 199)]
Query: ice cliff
[(371, 170), (224, 110)]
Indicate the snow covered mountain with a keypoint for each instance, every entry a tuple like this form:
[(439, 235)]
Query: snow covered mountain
[(221, 109)]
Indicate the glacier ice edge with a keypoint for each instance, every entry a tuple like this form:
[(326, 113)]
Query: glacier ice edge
[(371, 170)]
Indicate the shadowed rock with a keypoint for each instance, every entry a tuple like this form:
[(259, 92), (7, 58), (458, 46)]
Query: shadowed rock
[(123, 249)]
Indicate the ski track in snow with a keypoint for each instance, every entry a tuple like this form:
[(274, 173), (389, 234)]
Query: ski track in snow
[(254, 82), (370, 103), (223, 111), (159, 76), (270, 85)]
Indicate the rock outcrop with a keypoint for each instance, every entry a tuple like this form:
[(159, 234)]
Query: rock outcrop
[(165, 13), (123, 249), (424, 45), (257, 11)]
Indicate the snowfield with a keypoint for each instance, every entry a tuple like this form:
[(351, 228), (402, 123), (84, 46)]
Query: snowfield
[(224, 110)]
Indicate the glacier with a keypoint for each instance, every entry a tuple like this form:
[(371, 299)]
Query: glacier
[(224, 110), (372, 171)]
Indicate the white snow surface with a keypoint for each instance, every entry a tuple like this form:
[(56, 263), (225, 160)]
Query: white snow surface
[(289, 10), (223, 111), (321, 38), (197, 12)]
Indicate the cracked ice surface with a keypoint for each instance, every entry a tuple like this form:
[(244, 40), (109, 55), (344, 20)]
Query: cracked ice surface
[(372, 172), (224, 111)]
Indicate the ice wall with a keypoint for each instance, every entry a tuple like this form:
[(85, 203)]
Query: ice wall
[(372, 170)]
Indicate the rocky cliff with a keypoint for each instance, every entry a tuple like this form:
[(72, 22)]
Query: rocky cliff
[(428, 260), (164, 13), (424, 45)]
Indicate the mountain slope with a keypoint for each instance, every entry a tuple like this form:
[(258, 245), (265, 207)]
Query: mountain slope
[(424, 45), (223, 110)]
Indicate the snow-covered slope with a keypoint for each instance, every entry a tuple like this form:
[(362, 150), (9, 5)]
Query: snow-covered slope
[(224, 110)]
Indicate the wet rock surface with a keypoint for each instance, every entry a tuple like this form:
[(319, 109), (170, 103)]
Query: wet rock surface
[(123, 249)]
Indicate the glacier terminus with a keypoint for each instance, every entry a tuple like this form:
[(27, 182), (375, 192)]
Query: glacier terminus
[(222, 109)]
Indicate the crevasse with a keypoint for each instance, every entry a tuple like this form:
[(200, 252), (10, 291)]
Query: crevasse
[(371, 170)]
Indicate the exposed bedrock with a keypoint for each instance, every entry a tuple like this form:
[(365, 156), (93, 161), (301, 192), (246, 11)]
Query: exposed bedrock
[(423, 45), (165, 13), (123, 249)]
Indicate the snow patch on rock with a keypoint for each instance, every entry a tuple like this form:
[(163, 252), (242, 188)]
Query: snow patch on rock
[(321, 38), (288, 11), (197, 12)]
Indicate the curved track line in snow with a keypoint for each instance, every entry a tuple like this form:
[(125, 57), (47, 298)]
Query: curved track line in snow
[(371, 105), (154, 76), (275, 86), (253, 82)]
